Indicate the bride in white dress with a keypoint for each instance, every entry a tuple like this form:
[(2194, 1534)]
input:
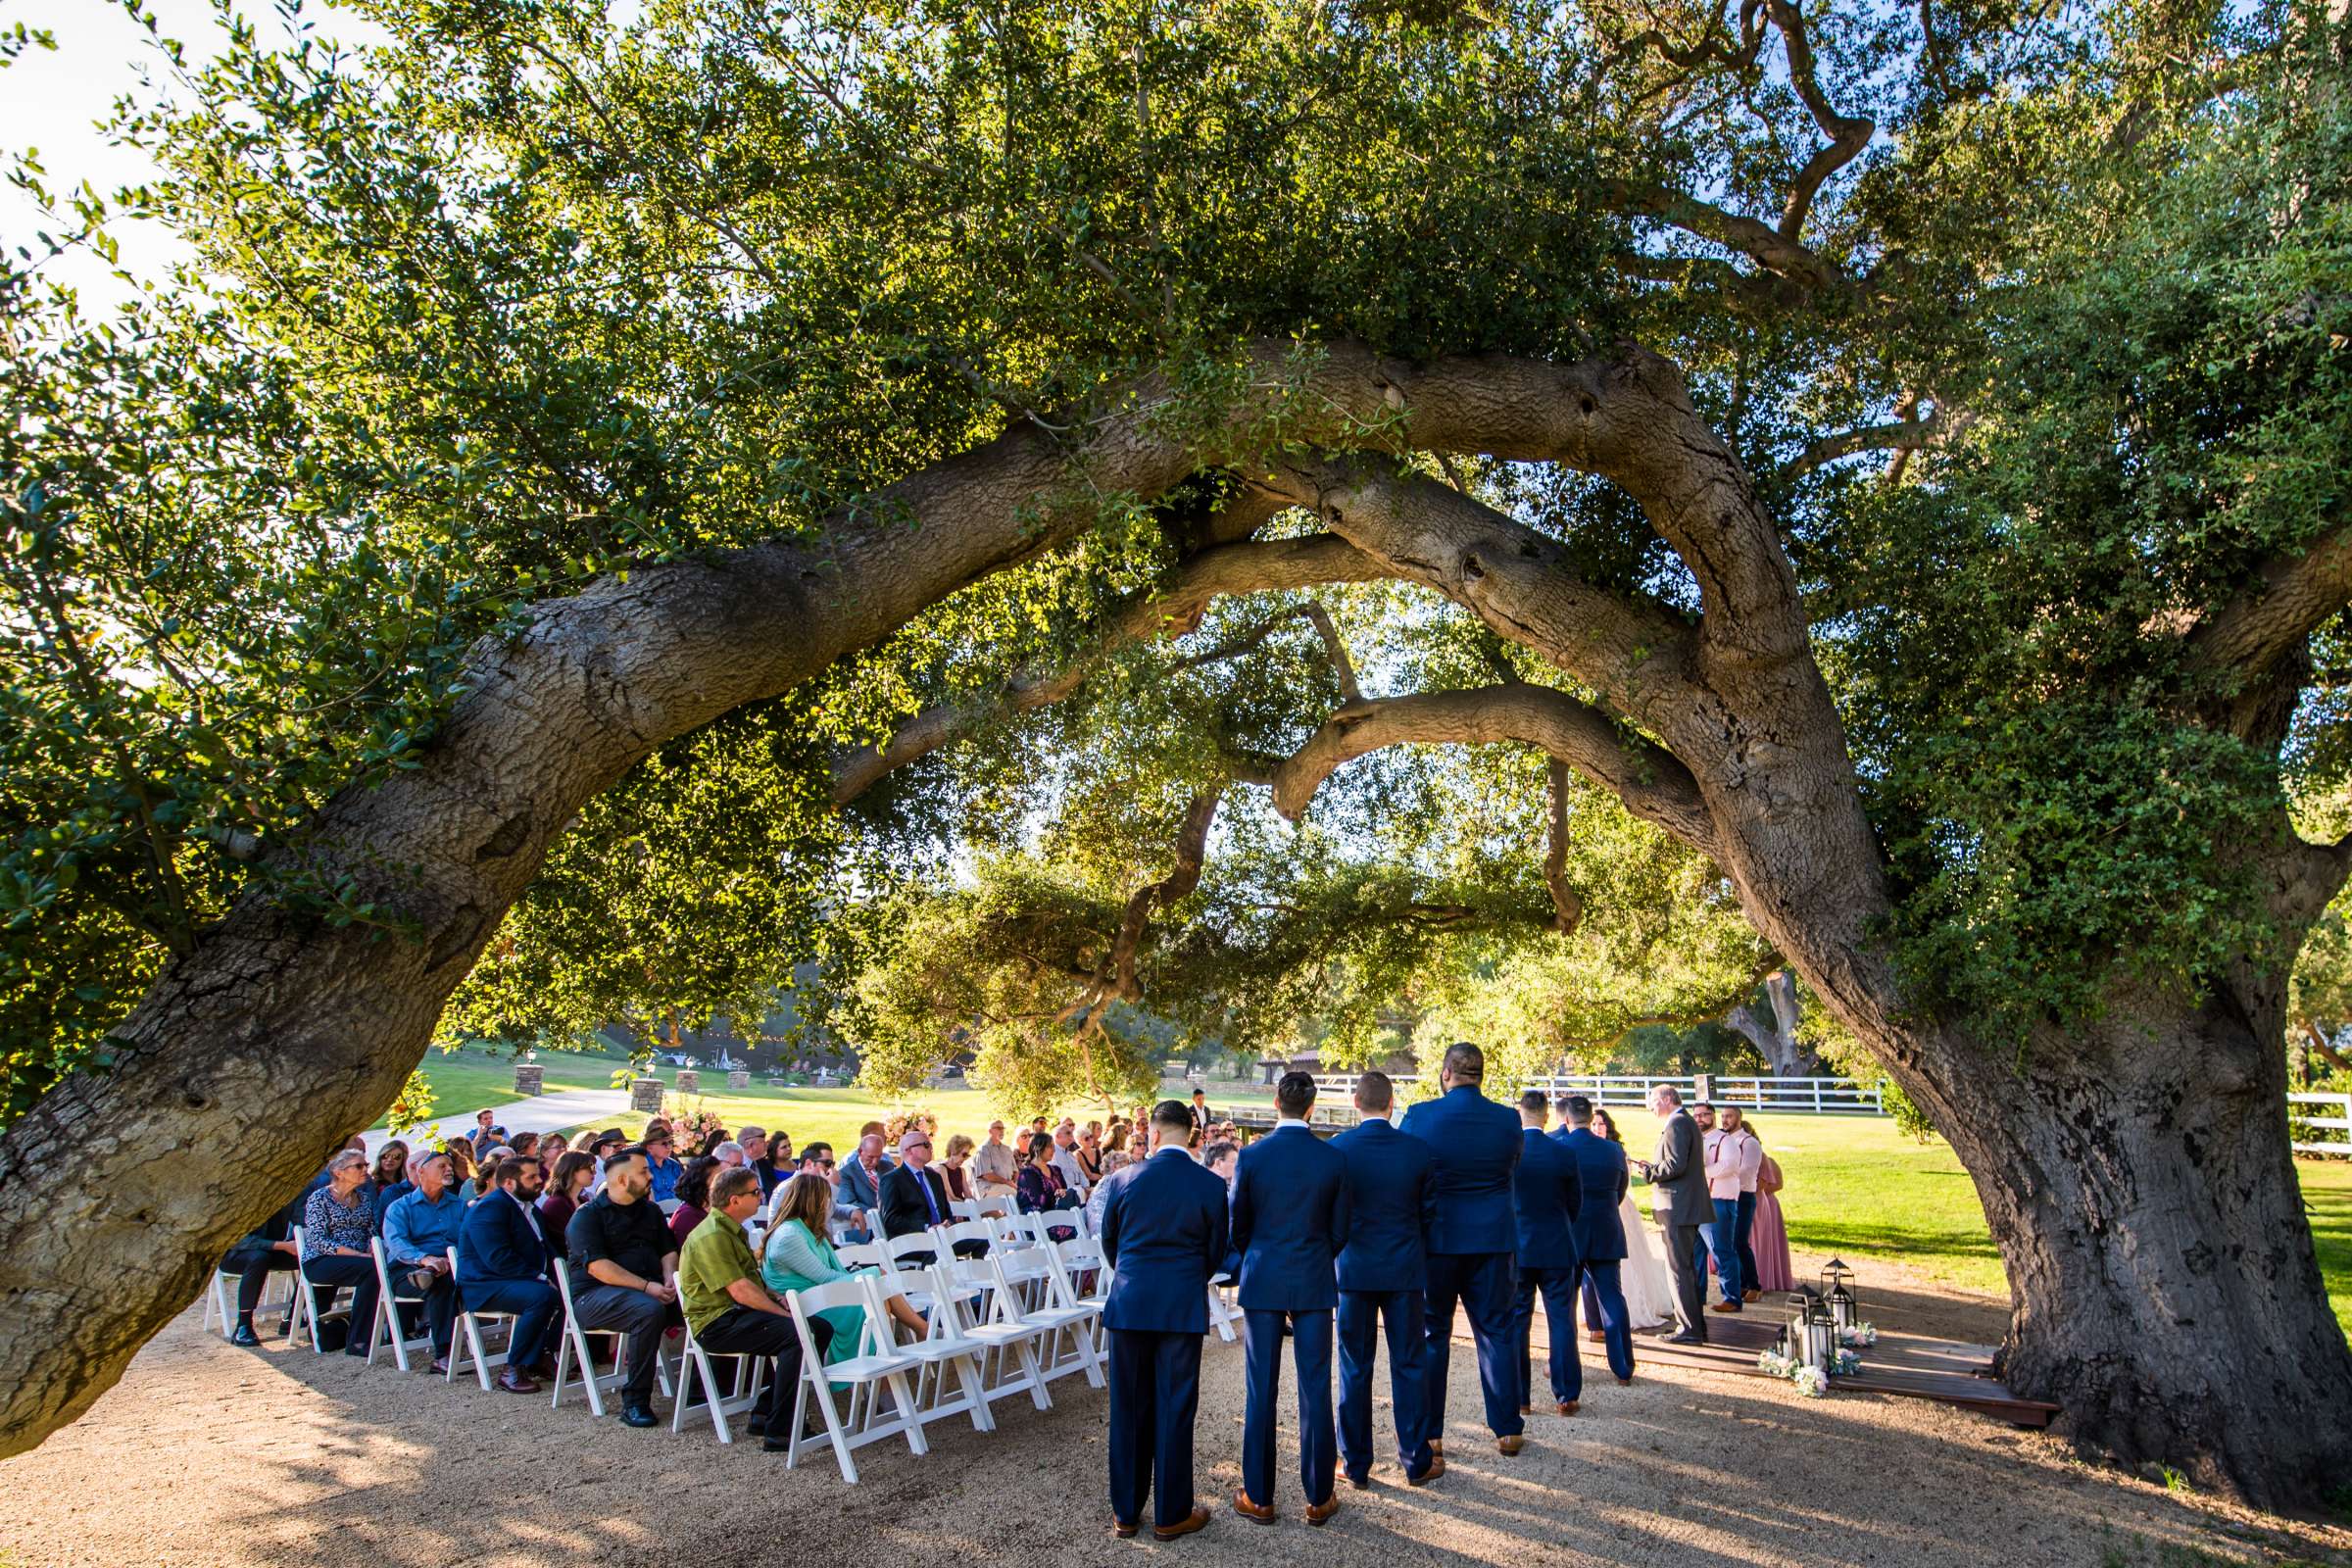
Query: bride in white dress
[(1649, 1290)]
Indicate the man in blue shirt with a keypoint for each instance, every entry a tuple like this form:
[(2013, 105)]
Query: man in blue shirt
[(1290, 1219), (1382, 1271), (1475, 1146), (1164, 1231), (418, 1232), (663, 1167), (1547, 1195)]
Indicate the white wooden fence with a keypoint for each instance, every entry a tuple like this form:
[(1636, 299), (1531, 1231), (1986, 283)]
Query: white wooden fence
[(2334, 1117), (1811, 1096)]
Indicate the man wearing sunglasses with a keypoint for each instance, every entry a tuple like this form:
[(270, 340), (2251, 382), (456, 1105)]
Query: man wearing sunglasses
[(914, 1197)]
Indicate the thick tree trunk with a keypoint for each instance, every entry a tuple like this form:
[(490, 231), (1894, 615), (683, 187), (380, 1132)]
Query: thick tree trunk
[(1775, 1036), (2166, 1294)]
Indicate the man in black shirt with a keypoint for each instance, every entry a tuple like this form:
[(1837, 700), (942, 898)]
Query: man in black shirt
[(623, 1262), (262, 1253)]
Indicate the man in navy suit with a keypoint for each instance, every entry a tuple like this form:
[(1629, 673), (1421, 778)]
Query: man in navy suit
[(502, 1267), (1546, 1193), (1391, 1202), (1290, 1220), (1601, 1179), (1475, 1146), (1163, 1232)]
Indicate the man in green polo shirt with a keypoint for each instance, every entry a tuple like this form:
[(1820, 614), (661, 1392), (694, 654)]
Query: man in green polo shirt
[(733, 1313)]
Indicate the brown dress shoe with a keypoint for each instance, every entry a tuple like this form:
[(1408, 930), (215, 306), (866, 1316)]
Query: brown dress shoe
[(1436, 1447), (1725, 1306), (1751, 1296), (513, 1382), (1526, 1409), (1566, 1408), (1198, 1521), (1511, 1444), (1122, 1528), (1437, 1468), (1318, 1513), (1598, 1336), (1251, 1511)]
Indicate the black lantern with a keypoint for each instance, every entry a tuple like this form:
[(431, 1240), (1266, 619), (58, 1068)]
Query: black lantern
[(1839, 1299), (1816, 1332)]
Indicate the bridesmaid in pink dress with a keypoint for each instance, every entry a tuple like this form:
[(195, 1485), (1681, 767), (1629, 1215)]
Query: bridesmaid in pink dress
[(1769, 1235)]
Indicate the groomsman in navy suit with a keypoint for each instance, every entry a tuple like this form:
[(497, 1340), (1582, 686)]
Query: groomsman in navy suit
[(1475, 1145), (1164, 1233), (1598, 1225), (1391, 1202), (1547, 1194), (1290, 1220), (502, 1267)]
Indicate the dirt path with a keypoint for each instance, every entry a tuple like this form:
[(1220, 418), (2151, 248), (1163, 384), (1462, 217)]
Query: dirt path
[(212, 1458)]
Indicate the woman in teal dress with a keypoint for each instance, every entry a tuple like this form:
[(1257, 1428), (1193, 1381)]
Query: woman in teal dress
[(798, 1256)]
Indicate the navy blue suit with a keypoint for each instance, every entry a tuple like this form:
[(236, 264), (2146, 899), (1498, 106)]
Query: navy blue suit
[(1549, 1195), (1383, 1269), (502, 1267), (1599, 1229), (1163, 1233), (1475, 1145), (1290, 1220)]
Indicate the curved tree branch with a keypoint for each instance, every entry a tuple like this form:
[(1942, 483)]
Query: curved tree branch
[(2290, 599), (1651, 783)]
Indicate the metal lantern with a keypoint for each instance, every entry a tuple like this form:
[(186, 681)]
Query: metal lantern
[(1817, 1333), (1840, 1299)]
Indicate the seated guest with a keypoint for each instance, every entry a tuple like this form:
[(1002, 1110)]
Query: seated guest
[(799, 1257), (566, 1190), (693, 1198), (914, 1197), (338, 1221), (484, 1180), (1089, 1153), (729, 1310), (389, 1180), (1222, 1159), (552, 1147), (1039, 1186), (729, 1155), (621, 1260), (862, 1178), (525, 1145), (264, 1252), (1114, 1160), (661, 1166), (418, 1235), (485, 1133), (502, 1267), (996, 1168), (952, 1169), (755, 1155), (603, 1145), (461, 1161)]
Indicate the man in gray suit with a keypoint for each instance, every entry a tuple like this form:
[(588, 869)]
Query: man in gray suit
[(1677, 1180)]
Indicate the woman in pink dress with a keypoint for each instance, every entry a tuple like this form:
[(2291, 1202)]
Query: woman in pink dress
[(1769, 1235)]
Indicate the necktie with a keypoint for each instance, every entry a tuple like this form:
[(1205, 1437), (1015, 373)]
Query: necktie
[(922, 1179)]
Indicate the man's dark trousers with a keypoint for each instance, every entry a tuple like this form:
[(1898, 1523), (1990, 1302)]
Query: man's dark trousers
[(1686, 1260), (440, 1303), (1482, 1282), (1722, 1240), (745, 1331), (1361, 1315), (1154, 1396), (1606, 1293), (1558, 1288), (1747, 1250), (1311, 1351), (534, 1304), (639, 1316)]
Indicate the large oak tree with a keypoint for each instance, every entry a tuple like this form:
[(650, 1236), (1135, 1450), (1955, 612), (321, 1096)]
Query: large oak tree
[(1894, 452)]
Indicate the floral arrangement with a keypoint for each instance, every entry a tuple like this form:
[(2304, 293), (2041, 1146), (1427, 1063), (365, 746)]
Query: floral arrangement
[(1861, 1337), (1844, 1363), (1772, 1364), (1810, 1381)]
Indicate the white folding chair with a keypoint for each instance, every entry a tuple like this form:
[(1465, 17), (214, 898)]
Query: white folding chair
[(670, 1206), (307, 1310), (1221, 1317), (386, 1326), (942, 1350), (1003, 1325), (1070, 1347), (573, 1343), (906, 1264), (751, 1371), (877, 1366), (217, 1303), (471, 1323)]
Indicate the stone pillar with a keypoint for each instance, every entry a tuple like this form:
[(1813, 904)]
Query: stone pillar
[(689, 1082), (527, 1078), (1702, 1088), (645, 1094), (738, 1079)]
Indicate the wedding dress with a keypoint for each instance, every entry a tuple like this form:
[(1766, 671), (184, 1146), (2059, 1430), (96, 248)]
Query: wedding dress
[(1648, 1291)]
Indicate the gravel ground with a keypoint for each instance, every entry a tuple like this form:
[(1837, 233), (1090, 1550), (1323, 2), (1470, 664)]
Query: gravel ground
[(208, 1455)]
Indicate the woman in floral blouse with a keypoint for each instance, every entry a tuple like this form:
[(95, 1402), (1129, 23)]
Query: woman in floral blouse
[(338, 1221)]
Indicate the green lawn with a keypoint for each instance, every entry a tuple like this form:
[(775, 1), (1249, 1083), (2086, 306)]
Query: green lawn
[(467, 1079), (1856, 1185)]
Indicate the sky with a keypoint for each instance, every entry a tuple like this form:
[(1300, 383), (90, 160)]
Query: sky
[(53, 100)]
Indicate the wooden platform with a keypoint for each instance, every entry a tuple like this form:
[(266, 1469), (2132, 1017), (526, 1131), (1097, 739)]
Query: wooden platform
[(1912, 1366)]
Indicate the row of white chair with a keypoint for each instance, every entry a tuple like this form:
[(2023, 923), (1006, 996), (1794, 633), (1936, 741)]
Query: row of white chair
[(1006, 1323)]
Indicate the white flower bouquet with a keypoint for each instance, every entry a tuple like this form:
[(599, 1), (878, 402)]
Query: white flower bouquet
[(1810, 1381)]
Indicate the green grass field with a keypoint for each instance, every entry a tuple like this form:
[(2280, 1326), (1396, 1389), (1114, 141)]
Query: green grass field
[(1856, 1185)]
